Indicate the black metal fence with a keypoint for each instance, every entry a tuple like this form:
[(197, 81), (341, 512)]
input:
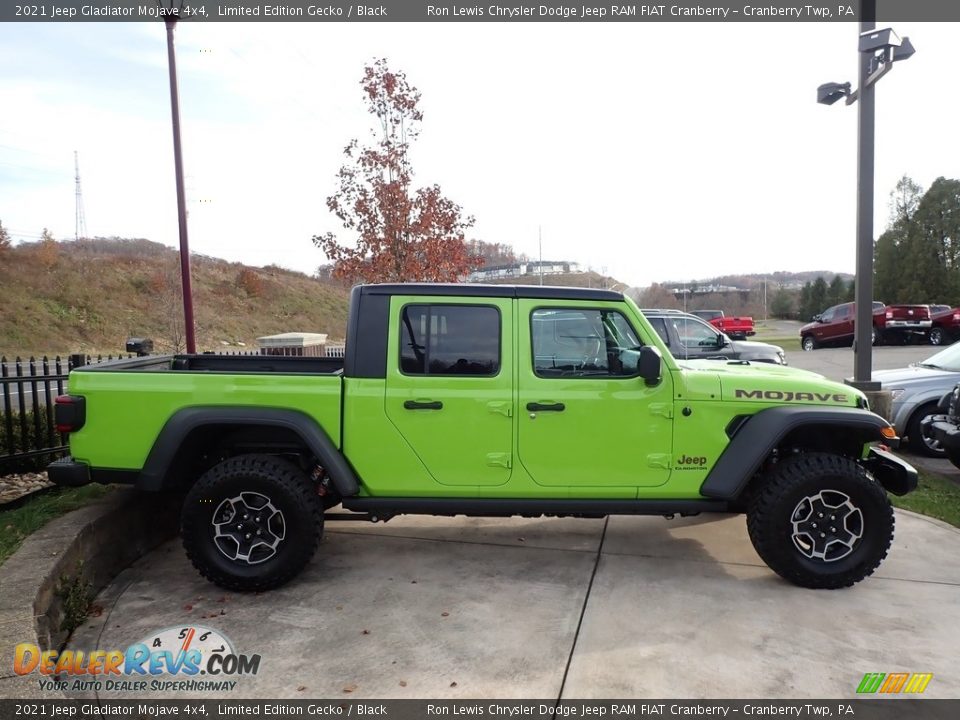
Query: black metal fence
[(28, 388)]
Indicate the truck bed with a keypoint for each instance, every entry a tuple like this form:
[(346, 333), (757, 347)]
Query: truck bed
[(233, 364), (134, 398)]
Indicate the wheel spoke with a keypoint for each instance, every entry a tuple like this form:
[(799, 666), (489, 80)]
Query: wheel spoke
[(827, 526), (248, 528)]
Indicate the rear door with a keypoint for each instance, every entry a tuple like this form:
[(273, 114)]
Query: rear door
[(449, 388), (586, 420)]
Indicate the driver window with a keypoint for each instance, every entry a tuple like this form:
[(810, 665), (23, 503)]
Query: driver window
[(577, 342), (694, 333), (829, 315)]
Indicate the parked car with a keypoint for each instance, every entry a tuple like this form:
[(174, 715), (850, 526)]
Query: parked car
[(690, 338), (944, 426), (916, 390), (834, 326), (891, 323), (945, 324), (737, 327)]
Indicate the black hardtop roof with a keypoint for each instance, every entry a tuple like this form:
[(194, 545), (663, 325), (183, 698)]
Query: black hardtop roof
[(540, 292)]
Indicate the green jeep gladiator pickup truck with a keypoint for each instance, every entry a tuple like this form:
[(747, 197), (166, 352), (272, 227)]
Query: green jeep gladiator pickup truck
[(492, 401)]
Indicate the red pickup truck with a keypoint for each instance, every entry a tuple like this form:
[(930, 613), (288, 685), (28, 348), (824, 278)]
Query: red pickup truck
[(891, 323), (737, 328), (945, 326)]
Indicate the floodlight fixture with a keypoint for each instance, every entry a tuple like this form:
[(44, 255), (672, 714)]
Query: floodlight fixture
[(883, 39), (829, 93), (904, 51)]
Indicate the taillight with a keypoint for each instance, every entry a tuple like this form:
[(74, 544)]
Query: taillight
[(956, 316), (69, 413), (889, 314)]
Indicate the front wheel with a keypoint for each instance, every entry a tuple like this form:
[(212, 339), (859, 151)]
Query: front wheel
[(820, 521), (808, 343), (937, 336), (252, 522), (924, 442)]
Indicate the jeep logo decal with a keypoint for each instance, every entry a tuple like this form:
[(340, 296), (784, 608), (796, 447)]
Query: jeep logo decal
[(789, 395), (687, 460)]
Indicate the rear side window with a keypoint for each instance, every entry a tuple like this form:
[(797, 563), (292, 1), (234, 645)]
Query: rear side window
[(583, 343), (449, 340), (661, 327)]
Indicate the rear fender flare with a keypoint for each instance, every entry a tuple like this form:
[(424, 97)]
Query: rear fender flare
[(756, 438), (181, 424)]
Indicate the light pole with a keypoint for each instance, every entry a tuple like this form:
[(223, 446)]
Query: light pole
[(878, 49), (171, 10)]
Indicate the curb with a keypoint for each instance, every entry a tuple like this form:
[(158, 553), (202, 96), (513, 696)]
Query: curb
[(89, 545)]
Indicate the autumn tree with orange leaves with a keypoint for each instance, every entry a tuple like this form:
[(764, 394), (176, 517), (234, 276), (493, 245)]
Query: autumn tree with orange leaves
[(403, 234)]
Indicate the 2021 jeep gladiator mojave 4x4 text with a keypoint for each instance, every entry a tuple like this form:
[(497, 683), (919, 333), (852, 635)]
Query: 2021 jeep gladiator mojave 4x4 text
[(487, 400)]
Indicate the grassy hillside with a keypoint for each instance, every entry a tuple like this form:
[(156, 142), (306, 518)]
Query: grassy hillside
[(90, 295), (583, 279)]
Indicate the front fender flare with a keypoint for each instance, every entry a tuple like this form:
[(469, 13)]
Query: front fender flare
[(183, 422), (763, 431)]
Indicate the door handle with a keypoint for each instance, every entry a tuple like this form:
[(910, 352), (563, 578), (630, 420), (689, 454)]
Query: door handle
[(417, 405), (546, 407)]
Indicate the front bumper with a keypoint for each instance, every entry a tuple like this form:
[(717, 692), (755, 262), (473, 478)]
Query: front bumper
[(896, 476), (944, 430)]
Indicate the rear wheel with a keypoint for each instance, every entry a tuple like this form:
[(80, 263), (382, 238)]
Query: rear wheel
[(252, 522), (876, 337), (820, 521), (808, 343), (924, 442)]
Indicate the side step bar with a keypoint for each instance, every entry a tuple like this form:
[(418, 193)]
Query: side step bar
[(385, 508)]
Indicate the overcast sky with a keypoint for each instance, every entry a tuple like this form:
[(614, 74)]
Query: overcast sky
[(653, 152)]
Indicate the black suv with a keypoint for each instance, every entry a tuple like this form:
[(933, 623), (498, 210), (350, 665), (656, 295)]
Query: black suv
[(690, 338)]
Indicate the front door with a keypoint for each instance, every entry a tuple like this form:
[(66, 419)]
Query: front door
[(449, 388), (586, 420), (700, 340)]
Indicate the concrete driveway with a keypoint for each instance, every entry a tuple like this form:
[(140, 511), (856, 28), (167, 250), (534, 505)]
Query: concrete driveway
[(547, 608)]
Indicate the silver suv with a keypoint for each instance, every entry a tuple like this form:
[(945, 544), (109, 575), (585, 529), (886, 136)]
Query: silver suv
[(690, 338)]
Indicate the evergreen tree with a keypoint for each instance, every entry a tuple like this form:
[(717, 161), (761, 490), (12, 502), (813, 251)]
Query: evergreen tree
[(781, 306), (836, 291), (805, 309), (818, 295)]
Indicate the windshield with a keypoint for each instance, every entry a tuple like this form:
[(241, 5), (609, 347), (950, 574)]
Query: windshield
[(946, 359)]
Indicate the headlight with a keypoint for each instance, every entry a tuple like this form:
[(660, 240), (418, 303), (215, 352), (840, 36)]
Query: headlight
[(896, 392)]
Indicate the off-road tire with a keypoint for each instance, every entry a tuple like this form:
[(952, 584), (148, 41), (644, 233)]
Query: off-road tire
[(290, 492), (915, 432), (808, 343), (770, 519)]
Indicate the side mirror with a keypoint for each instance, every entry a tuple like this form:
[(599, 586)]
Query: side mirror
[(817, 318), (722, 340), (649, 364)]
